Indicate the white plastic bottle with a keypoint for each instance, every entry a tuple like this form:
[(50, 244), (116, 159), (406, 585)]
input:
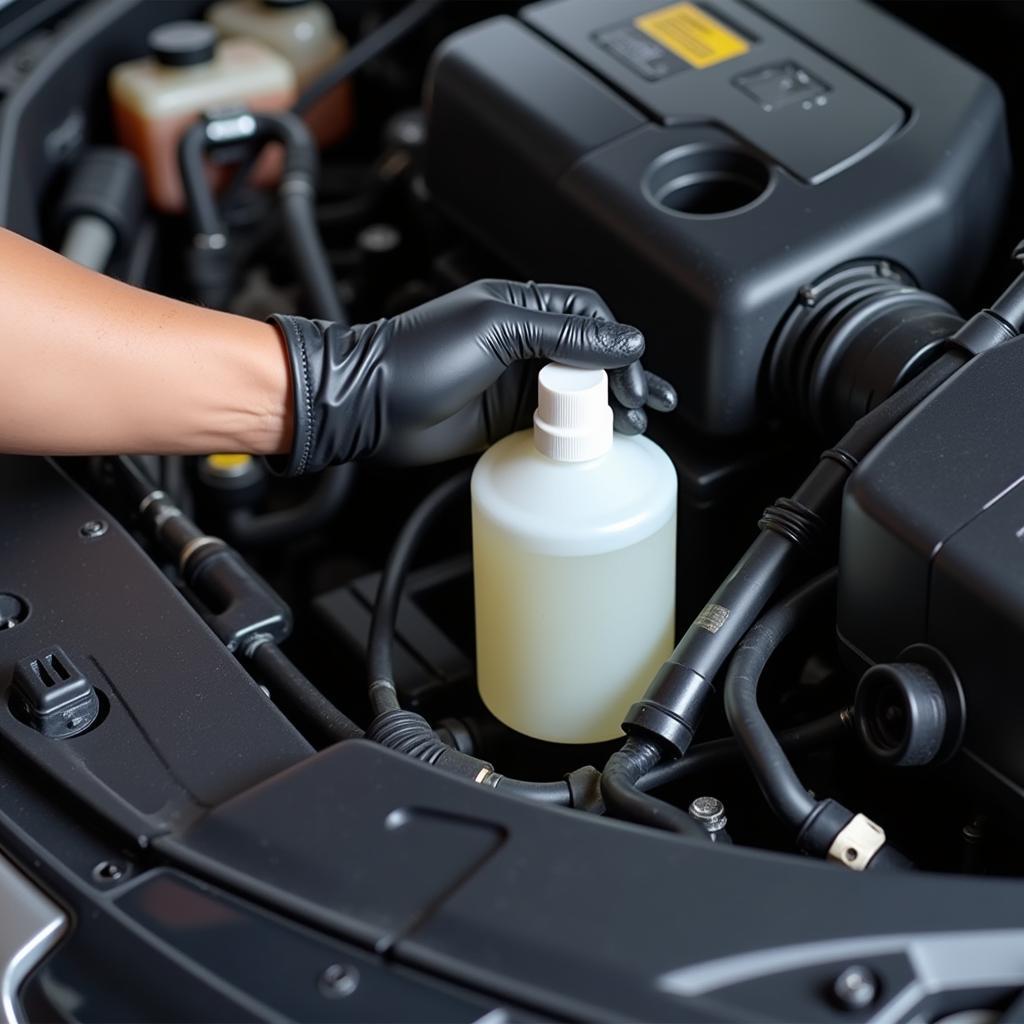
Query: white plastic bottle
[(574, 532)]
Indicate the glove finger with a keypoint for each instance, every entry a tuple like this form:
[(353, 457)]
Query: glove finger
[(560, 298), (574, 340), (661, 396), (628, 386), (628, 421)]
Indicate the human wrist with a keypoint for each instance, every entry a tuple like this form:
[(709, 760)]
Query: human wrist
[(262, 423)]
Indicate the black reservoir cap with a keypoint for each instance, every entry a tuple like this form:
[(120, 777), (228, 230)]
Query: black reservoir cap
[(183, 43)]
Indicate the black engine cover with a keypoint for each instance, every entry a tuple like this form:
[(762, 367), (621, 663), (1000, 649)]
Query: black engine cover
[(699, 164)]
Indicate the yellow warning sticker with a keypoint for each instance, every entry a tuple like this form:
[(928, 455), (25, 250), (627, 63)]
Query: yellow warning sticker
[(691, 33)]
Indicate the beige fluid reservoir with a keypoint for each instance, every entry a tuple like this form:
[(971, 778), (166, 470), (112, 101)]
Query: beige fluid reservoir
[(156, 98), (574, 532), (305, 33)]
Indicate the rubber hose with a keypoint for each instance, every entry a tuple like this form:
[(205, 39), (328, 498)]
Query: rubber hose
[(307, 249), (554, 793), (720, 753), (297, 695), (622, 799), (245, 529), (380, 647), (408, 733), (772, 769)]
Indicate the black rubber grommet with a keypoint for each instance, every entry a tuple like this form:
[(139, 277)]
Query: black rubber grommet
[(900, 713), (910, 712)]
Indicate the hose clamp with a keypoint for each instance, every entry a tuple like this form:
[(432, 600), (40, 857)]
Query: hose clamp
[(381, 684), (857, 843), (149, 499), (192, 547), (254, 643)]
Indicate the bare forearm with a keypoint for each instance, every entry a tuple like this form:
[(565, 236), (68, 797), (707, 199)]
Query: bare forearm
[(89, 365)]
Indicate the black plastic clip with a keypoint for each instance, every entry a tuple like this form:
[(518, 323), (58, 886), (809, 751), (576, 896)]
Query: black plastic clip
[(59, 700)]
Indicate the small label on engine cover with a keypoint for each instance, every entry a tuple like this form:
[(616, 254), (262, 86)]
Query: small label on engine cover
[(691, 33), (671, 39)]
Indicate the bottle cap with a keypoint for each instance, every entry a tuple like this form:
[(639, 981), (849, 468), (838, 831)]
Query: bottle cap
[(573, 421), (181, 43)]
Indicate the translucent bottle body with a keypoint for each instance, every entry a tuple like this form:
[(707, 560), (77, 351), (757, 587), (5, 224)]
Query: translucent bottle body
[(574, 569)]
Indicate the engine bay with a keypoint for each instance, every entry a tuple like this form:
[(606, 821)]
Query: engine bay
[(260, 693)]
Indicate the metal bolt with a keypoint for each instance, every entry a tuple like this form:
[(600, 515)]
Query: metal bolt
[(855, 987), (93, 528), (108, 871), (709, 811), (807, 296), (338, 981)]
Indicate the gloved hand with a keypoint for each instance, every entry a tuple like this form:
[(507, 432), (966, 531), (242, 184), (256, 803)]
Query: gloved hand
[(453, 375)]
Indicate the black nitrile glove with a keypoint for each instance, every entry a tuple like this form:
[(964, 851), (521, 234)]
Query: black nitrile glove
[(453, 375)]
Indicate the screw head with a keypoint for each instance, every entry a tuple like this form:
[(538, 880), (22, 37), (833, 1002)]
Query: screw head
[(108, 871), (93, 528), (855, 987), (338, 981)]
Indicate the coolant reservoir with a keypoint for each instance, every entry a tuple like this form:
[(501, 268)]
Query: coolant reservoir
[(574, 532), (156, 98), (304, 33)]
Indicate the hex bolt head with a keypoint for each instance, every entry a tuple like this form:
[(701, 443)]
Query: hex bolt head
[(338, 981), (93, 528), (855, 987)]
